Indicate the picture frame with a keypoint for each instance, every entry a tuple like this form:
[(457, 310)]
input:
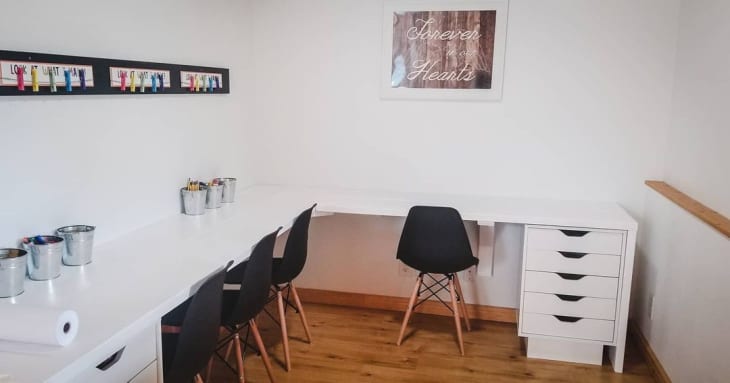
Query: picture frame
[(443, 50)]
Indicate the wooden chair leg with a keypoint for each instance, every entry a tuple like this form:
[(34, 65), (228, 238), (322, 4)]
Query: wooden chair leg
[(229, 349), (262, 348), (284, 334), (409, 310), (301, 312), (464, 312), (239, 357), (198, 379), (455, 307)]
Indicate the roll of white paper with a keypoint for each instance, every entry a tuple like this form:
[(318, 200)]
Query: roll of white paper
[(38, 325)]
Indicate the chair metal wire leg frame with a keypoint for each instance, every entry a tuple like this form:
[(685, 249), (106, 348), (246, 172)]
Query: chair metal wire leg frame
[(233, 342), (433, 288)]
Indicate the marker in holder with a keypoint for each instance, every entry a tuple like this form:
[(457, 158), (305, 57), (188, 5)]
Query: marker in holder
[(123, 76), (34, 79), (20, 74), (82, 79), (52, 79), (67, 76)]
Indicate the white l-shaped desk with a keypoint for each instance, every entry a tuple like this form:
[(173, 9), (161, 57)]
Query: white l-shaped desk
[(138, 277)]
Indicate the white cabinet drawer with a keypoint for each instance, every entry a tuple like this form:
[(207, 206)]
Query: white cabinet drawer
[(148, 375), (571, 284), (583, 241), (568, 327), (570, 305), (124, 364), (573, 262)]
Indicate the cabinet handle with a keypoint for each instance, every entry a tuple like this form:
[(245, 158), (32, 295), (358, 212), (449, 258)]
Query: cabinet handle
[(110, 361), (568, 319), (571, 277), (573, 255), (574, 233), (569, 298)]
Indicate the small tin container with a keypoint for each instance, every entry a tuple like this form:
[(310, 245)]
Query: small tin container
[(194, 201), (229, 189), (79, 240), (12, 272), (213, 199), (44, 260)]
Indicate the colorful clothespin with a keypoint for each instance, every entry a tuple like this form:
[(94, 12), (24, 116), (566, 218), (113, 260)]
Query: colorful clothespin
[(217, 82), (132, 82), (67, 76), (204, 79), (197, 83), (210, 83), (191, 79), (52, 79), (154, 82), (20, 74), (82, 79), (142, 77), (162, 81), (123, 79), (34, 78)]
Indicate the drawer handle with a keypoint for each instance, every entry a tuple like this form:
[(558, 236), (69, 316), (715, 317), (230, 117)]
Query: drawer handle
[(574, 233), (110, 361), (568, 319), (570, 277), (572, 255), (569, 298)]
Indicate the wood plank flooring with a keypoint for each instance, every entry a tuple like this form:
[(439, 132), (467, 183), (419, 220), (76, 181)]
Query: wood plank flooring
[(358, 345)]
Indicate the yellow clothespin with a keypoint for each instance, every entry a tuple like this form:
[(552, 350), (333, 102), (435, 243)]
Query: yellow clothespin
[(34, 78), (132, 82)]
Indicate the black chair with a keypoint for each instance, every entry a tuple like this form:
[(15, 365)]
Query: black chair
[(240, 307), (285, 270), (434, 241), (190, 332)]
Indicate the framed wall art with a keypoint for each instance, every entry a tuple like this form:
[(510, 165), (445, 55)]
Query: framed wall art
[(444, 50)]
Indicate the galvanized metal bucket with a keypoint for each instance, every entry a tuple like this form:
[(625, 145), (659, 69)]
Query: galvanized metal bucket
[(12, 272), (229, 189), (44, 262), (214, 197), (79, 240), (194, 201)]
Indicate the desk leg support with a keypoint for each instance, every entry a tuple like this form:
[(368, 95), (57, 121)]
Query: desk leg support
[(485, 249)]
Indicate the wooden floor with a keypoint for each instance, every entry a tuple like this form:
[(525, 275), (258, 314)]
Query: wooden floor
[(358, 345)]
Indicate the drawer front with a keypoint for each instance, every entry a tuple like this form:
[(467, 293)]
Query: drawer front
[(571, 284), (124, 364), (572, 262), (568, 327), (570, 305), (583, 241), (148, 375)]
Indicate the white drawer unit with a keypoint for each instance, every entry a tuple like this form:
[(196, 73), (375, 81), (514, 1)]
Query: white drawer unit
[(570, 305), (148, 375), (570, 284), (126, 363), (567, 327), (573, 262), (571, 279), (575, 240)]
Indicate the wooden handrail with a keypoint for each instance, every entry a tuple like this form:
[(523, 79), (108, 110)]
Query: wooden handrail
[(716, 220)]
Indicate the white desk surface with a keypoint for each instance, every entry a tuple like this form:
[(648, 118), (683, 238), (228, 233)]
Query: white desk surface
[(140, 276)]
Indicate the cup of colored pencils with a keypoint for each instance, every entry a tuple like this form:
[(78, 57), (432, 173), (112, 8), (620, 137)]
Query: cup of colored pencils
[(193, 197)]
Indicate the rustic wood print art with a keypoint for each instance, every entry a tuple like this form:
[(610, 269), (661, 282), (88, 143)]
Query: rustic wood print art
[(443, 49)]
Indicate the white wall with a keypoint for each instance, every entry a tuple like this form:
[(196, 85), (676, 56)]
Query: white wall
[(112, 161), (587, 92), (683, 263)]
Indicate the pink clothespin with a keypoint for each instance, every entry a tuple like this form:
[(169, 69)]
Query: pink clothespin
[(192, 82)]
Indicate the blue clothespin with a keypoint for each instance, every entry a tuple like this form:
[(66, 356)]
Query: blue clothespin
[(82, 78), (210, 83), (67, 76), (154, 83)]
